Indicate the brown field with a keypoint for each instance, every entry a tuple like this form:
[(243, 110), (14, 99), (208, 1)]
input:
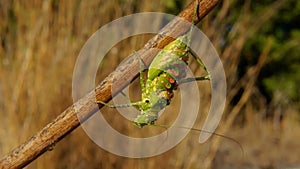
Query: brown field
[(40, 44)]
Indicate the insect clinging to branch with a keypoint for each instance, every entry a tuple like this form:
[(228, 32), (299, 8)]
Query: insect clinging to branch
[(165, 73)]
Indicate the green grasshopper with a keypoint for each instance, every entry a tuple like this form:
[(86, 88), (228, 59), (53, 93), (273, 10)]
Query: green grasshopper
[(166, 72)]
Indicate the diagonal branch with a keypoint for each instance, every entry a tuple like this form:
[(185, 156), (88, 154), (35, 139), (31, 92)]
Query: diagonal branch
[(67, 121)]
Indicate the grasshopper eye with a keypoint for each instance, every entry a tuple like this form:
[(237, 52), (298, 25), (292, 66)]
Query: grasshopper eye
[(147, 101)]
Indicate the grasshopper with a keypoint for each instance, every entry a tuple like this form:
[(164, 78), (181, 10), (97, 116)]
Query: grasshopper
[(165, 73)]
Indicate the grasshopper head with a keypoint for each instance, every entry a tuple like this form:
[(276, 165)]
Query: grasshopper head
[(144, 119), (154, 103)]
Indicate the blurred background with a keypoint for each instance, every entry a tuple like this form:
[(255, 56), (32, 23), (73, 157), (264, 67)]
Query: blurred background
[(258, 43)]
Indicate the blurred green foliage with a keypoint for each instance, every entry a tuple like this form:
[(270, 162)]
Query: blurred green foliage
[(281, 73)]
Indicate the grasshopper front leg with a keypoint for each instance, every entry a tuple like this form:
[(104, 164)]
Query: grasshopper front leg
[(134, 104), (119, 105)]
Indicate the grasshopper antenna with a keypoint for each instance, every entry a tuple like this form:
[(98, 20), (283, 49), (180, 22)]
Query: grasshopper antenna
[(217, 134), (205, 131)]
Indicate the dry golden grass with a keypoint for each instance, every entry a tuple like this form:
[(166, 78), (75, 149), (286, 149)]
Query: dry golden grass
[(40, 43)]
